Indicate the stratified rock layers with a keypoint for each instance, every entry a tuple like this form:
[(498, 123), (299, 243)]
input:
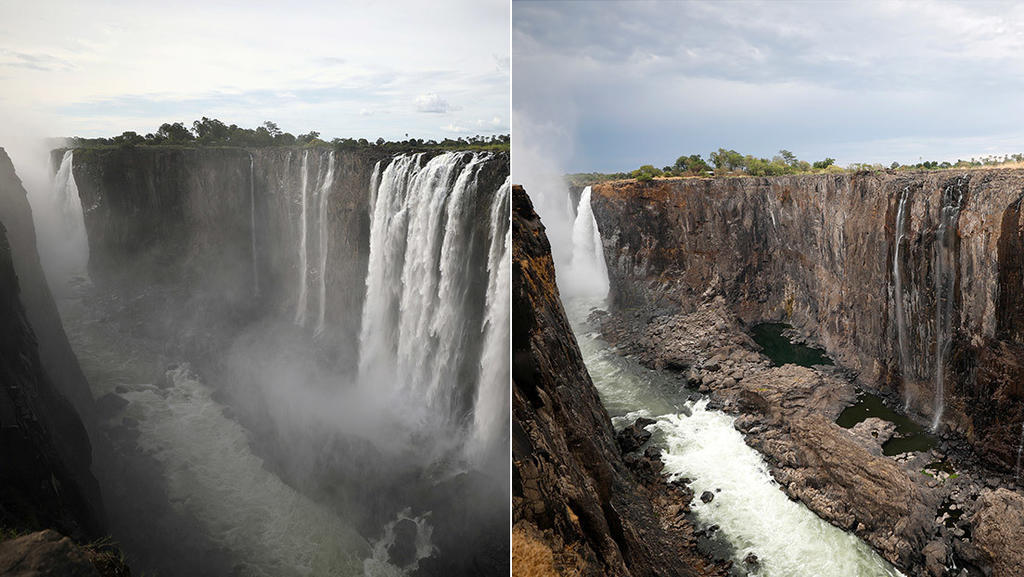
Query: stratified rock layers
[(818, 252)]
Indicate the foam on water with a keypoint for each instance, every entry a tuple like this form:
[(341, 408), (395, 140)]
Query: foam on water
[(212, 475)]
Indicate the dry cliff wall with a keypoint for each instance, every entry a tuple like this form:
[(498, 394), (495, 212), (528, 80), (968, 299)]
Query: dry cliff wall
[(818, 251)]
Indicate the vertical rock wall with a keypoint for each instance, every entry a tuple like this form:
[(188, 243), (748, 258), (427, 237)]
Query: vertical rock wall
[(817, 251)]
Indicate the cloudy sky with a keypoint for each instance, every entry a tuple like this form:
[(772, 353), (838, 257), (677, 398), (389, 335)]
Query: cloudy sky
[(343, 68), (610, 86)]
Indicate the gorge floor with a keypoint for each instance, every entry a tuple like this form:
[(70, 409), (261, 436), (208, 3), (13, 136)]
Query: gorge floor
[(921, 511)]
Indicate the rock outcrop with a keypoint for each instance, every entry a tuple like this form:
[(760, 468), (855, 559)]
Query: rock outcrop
[(45, 477), (577, 507), (818, 252)]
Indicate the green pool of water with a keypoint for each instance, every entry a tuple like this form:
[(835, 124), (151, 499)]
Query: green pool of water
[(781, 351), (909, 437)]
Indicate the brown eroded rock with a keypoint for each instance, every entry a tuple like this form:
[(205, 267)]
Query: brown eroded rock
[(999, 531), (44, 554)]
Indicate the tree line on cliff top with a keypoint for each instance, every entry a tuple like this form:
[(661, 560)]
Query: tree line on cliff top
[(727, 162), (213, 132)]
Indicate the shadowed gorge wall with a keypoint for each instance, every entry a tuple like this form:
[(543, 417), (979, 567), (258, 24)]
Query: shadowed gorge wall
[(818, 251), (45, 453)]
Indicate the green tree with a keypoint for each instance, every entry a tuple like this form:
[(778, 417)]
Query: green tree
[(823, 164), (645, 173), (692, 164), (727, 160), (175, 133)]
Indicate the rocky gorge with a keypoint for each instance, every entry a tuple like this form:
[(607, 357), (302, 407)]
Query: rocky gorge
[(907, 280), (248, 324)]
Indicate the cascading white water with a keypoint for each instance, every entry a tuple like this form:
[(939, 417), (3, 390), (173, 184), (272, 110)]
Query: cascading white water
[(491, 408), (211, 474), (322, 230), (252, 225), (945, 283), (379, 564), (752, 512), (897, 281), (300, 305), (587, 273), (416, 321), (70, 255)]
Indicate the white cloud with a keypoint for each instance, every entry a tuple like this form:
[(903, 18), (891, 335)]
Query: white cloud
[(110, 61), (432, 103)]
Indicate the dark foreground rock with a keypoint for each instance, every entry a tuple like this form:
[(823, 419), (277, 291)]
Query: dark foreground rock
[(577, 507), (44, 554), (50, 554)]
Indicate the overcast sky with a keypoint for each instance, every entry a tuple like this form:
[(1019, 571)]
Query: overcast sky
[(345, 69), (610, 86)]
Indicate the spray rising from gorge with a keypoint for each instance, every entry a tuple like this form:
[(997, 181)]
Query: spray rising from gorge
[(291, 258)]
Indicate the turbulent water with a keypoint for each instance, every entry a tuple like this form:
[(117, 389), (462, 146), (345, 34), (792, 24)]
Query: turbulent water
[(417, 325), (212, 475), (752, 512)]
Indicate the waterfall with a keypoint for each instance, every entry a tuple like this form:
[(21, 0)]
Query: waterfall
[(587, 273), (421, 281), (492, 391), (945, 283), (300, 306), (374, 184), (252, 226), (72, 246), (897, 281), (322, 229)]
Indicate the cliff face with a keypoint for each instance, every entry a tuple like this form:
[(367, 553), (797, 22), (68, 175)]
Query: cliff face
[(54, 350), (241, 232), (44, 474), (575, 504), (818, 251)]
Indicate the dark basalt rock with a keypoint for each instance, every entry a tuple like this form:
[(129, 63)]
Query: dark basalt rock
[(571, 484), (634, 436), (403, 551), (45, 454)]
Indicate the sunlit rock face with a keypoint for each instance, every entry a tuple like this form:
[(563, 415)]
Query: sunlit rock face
[(821, 252)]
